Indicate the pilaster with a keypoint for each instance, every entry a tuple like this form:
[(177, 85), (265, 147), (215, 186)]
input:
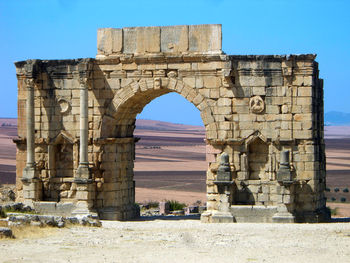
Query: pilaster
[(32, 188), (85, 189)]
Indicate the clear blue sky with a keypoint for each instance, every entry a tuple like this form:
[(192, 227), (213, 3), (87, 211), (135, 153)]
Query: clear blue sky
[(61, 29)]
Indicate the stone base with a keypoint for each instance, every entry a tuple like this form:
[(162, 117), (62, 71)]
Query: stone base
[(54, 208), (32, 186), (119, 213), (82, 174), (85, 193), (253, 213), (217, 217), (320, 216), (110, 213), (83, 208), (205, 217), (249, 214), (66, 209), (222, 217), (284, 217)]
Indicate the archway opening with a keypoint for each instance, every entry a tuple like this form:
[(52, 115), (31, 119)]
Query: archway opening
[(116, 196), (170, 159)]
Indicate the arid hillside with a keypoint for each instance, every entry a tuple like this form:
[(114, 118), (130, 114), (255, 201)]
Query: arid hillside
[(8, 130)]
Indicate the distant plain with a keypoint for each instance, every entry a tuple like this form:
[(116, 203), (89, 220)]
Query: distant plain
[(170, 161)]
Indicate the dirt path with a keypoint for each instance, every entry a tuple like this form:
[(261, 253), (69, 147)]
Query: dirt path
[(185, 241)]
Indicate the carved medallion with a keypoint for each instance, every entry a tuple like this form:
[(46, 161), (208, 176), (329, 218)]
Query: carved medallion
[(172, 74), (64, 105), (256, 104)]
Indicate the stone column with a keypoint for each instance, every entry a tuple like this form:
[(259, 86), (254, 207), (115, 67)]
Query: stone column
[(30, 123), (284, 174), (84, 184), (83, 169), (31, 182), (83, 160)]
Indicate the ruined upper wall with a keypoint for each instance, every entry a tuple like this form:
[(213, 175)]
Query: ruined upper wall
[(168, 39)]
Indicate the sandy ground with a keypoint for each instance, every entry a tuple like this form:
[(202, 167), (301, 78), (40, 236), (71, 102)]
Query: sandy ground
[(343, 209), (185, 241)]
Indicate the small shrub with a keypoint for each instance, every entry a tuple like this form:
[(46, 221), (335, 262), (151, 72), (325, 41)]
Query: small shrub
[(332, 211), (175, 205), (333, 199), (153, 204), (327, 189), (28, 231), (346, 190), (343, 199), (2, 214), (19, 211), (336, 189)]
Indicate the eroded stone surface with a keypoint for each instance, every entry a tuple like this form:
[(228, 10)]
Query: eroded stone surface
[(20, 219)]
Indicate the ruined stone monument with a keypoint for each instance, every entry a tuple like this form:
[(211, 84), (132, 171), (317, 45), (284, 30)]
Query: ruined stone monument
[(76, 149)]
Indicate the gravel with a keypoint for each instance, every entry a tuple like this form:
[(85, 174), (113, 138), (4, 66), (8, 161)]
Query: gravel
[(186, 241)]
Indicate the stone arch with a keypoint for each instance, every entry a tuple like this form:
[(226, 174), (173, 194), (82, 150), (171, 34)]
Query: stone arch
[(245, 94), (129, 101), (118, 144)]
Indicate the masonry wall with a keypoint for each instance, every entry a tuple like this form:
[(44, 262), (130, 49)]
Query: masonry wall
[(253, 108)]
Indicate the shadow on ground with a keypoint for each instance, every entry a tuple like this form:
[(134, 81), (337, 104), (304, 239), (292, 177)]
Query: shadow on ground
[(197, 217), (173, 218), (340, 220)]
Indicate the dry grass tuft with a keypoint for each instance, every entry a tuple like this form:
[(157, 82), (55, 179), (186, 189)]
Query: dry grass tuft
[(28, 231), (21, 232)]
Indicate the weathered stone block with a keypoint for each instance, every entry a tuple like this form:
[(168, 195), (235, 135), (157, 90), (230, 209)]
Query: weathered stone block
[(109, 40), (174, 39), (129, 40), (205, 38), (259, 91)]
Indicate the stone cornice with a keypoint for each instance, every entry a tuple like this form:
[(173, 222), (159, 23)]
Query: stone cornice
[(273, 57), (160, 58)]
